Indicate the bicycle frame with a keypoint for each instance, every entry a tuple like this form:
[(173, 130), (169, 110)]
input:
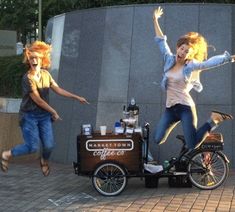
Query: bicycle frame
[(213, 142)]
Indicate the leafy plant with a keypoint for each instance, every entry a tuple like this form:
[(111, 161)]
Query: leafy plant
[(11, 71)]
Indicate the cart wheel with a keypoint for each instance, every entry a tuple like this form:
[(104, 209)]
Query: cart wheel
[(109, 179), (208, 176)]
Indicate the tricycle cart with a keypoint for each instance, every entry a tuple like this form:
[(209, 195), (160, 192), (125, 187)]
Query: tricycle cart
[(111, 159)]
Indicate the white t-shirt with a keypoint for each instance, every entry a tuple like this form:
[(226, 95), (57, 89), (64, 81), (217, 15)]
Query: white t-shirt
[(177, 89)]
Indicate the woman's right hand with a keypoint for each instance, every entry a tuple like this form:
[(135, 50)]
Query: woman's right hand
[(157, 13), (55, 117)]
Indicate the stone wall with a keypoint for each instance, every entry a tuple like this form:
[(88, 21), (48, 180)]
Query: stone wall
[(7, 43), (108, 55)]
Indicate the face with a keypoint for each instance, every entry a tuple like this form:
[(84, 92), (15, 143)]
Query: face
[(35, 61), (183, 52)]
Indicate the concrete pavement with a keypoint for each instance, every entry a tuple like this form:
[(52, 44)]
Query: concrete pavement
[(24, 188)]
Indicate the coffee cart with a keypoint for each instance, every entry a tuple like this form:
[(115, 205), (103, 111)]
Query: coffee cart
[(112, 158), (119, 156)]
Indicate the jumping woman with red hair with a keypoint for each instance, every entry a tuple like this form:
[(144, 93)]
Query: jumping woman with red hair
[(36, 115)]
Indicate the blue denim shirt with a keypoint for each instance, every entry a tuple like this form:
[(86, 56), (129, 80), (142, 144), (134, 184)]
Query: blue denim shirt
[(191, 66)]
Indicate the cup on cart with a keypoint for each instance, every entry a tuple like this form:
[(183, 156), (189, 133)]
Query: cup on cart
[(103, 130)]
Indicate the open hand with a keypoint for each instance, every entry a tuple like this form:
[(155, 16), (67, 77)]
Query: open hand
[(157, 13), (233, 58)]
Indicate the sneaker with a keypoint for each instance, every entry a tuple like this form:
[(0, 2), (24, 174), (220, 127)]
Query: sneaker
[(218, 116)]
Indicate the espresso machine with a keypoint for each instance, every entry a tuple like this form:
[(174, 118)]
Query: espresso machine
[(130, 120)]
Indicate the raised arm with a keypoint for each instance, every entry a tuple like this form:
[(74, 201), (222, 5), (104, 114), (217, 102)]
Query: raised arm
[(156, 15)]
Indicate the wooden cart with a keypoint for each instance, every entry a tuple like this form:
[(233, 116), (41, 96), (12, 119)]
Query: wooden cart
[(119, 156), (111, 159)]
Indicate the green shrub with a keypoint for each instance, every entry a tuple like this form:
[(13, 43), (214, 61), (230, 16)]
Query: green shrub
[(11, 71)]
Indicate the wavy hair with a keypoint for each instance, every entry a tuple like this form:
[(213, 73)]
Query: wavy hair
[(197, 42), (43, 49)]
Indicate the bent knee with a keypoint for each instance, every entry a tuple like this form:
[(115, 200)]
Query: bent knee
[(33, 149), (159, 140)]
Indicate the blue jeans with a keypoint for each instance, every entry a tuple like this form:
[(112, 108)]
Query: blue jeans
[(188, 118), (35, 127)]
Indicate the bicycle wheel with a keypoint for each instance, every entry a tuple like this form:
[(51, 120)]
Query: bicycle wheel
[(208, 174), (109, 179)]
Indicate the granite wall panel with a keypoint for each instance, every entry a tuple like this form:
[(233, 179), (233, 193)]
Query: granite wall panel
[(109, 56)]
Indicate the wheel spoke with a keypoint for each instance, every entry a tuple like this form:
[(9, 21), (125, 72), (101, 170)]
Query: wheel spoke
[(207, 173), (109, 179)]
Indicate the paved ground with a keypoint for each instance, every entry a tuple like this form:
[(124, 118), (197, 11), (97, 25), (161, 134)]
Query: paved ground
[(24, 188)]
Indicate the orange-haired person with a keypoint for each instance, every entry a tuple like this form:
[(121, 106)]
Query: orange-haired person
[(181, 74), (36, 115)]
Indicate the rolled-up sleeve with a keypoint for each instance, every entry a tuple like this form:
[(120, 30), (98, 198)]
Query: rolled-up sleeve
[(163, 45)]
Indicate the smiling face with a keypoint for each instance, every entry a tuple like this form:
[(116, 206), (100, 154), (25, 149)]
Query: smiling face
[(37, 56), (191, 46), (35, 61), (183, 53)]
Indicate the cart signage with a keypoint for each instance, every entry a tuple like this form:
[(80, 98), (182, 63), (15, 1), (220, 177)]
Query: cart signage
[(109, 147)]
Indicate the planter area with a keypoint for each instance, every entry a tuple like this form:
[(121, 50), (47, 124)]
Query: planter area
[(10, 133)]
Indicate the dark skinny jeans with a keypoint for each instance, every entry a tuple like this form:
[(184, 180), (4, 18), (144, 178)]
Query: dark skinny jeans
[(188, 118)]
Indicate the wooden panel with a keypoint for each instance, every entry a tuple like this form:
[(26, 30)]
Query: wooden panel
[(10, 134), (121, 149)]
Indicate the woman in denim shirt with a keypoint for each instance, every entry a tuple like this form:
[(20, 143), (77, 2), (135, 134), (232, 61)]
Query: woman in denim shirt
[(181, 74)]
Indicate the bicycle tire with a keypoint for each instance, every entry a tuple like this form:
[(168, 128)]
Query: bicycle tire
[(208, 176), (109, 179)]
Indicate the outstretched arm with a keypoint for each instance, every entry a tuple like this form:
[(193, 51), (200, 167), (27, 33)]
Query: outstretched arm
[(65, 93), (214, 61), (156, 15)]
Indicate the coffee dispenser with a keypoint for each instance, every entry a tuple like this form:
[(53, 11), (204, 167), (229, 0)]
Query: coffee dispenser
[(130, 117)]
